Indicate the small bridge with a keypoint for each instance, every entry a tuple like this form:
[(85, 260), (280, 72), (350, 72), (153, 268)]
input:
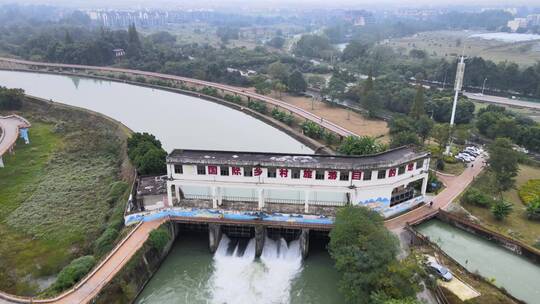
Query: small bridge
[(10, 128)]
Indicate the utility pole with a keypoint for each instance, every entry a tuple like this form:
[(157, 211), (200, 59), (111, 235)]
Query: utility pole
[(457, 88), (484, 86)]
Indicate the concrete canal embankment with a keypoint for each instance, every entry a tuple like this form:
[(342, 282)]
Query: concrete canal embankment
[(507, 264)]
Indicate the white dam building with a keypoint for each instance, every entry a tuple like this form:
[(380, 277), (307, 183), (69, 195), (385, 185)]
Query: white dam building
[(390, 182)]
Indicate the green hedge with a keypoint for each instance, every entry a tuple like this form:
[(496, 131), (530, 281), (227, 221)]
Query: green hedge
[(73, 272), (105, 242)]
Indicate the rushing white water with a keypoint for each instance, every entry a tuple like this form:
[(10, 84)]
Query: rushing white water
[(240, 278)]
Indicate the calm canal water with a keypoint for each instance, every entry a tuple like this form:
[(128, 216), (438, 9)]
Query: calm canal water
[(190, 274), (179, 121), (516, 274)]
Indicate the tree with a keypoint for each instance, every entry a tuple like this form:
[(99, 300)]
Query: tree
[(501, 209), (279, 87), (336, 88), (363, 145), (11, 99), (371, 103), (362, 249), (316, 81), (503, 162), (417, 109), (441, 134), (354, 50), (423, 127), (279, 71), (146, 153), (404, 138), (134, 43), (297, 84), (276, 42)]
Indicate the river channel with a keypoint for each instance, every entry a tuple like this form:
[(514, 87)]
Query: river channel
[(190, 274), (516, 274)]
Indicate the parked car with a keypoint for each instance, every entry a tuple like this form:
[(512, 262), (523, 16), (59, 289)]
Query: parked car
[(439, 270)]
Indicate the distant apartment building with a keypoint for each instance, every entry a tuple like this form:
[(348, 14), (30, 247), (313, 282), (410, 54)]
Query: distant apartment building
[(517, 23)]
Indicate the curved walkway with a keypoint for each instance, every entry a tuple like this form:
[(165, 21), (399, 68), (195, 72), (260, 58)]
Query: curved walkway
[(9, 129), (232, 89), (455, 185)]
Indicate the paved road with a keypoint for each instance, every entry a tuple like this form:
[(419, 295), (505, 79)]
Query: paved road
[(10, 131), (504, 101), (240, 91), (455, 185)]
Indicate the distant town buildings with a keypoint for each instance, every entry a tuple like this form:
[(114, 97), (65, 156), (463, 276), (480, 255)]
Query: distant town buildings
[(517, 23)]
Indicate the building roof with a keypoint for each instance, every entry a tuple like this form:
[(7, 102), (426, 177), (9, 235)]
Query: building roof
[(387, 159), (152, 185)]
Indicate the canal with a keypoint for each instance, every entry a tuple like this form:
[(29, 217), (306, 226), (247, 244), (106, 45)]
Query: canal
[(517, 275), (190, 274)]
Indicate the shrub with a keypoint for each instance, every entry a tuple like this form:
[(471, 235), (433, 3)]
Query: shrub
[(116, 191), (73, 272), (140, 79), (474, 196), (159, 238), (529, 191), (533, 209), (501, 209), (258, 106), (105, 242), (450, 159), (439, 164)]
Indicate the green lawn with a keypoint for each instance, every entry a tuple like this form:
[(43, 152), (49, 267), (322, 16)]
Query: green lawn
[(516, 224)]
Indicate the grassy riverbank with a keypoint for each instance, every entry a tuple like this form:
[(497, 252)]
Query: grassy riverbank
[(516, 225), (55, 195)]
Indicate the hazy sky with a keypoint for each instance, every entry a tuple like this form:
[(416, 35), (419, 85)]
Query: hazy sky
[(278, 3)]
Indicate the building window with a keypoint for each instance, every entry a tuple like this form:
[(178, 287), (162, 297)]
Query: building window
[(248, 171), (344, 175), (295, 173), (381, 174), (178, 169), (319, 174), (201, 170), (420, 164), (401, 170), (271, 173), (224, 171), (367, 175)]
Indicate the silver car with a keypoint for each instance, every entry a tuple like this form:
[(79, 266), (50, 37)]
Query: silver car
[(440, 270)]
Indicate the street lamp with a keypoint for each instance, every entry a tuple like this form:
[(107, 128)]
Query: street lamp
[(484, 86)]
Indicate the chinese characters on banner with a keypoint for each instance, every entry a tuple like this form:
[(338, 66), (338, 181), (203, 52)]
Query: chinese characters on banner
[(392, 172), (283, 172), (410, 167), (212, 170), (257, 171), (236, 171), (356, 175), (332, 175), (308, 173)]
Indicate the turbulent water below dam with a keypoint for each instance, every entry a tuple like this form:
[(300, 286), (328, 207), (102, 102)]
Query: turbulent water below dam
[(234, 275)]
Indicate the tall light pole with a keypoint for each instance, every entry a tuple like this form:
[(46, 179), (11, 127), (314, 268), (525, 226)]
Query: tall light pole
[(457, 88), (484, 85)]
